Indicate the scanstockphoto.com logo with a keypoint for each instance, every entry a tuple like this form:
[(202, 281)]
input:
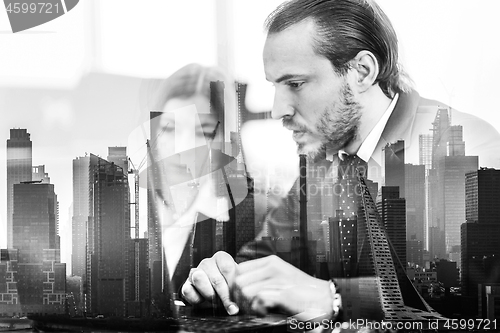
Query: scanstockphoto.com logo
[(24, 14)]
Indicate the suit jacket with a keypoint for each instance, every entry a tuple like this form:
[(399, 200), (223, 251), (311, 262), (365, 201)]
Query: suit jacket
[(412, 117)]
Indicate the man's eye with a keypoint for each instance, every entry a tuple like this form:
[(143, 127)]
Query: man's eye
[(295, 85)]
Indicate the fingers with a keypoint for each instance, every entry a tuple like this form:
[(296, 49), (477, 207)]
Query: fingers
[(253, 278), (264, 300), (259, 297), (257, 270), (212, 277), (190, 294), (200, 280), (251, 265), (222, 278)]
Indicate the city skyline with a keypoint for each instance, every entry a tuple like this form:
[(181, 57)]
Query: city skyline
[(448, 145), (99, 106), (53, 114)]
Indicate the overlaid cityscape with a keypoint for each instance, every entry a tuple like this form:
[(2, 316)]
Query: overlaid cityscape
[(439, 218), (162, 177)]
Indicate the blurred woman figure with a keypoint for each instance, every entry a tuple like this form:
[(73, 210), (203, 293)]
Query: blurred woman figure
[(186, 170)]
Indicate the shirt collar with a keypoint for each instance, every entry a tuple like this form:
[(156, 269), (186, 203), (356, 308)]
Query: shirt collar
[(367, 148)]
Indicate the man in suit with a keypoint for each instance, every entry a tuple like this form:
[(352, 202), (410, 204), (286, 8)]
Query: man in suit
[(339, 88)]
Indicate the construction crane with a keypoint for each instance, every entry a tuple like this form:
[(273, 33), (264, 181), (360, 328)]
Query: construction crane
[(135, 171)]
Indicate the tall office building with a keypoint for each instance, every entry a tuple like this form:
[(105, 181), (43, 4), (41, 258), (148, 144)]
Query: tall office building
[(479, 236), (480, 255), (107, 280), (101, 232), (425, 150), (392, 210), (415, 202), (456, 145), (19, 163), (154, 229), (83, 213), (34, 221), (395, 166), (440, 131), (33, 278), (440, 135), (453, 178), (118, 155), (414, 252), (34, 287), (482, 193), (138, 275), (446, 182), (39, 174)]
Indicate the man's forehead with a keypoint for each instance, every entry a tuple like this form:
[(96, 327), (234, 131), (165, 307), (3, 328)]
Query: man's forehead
[(289, 52)]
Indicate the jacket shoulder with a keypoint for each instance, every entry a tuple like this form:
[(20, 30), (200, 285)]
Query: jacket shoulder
[(480, 137)]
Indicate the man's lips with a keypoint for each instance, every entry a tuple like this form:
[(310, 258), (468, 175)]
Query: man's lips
[(298, 135)]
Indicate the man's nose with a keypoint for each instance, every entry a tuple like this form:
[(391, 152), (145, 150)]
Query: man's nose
[(282, 106)]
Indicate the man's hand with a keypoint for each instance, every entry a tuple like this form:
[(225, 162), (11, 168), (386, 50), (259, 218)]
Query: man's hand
[(213, 277), (271, 283)]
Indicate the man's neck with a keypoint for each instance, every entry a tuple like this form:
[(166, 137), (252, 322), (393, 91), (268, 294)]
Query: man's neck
[(373, 103)]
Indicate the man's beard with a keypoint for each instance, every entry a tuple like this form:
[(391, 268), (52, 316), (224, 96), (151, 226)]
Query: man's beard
[(337, 125)]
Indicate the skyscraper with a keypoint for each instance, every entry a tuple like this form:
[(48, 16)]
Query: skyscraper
[(118, 155), (453, 178), (138, 275), (107, 279), (19, 162), (34, 222), (415, 202), (395, 166), (33, 287), (154, 229), (440, 131), (425, 150), (482, 193), (392, 210), (446, 182), (480, 235), (101, 232), (83, 213), (35, 278), (40, 174)]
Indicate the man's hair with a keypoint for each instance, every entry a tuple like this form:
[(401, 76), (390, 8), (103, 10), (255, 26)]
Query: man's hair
[(344, 28)]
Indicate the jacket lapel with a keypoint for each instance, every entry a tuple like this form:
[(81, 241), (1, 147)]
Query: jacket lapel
[(400, 123)]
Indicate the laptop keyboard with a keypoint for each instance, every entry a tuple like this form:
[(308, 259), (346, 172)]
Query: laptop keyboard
[(232, 324)]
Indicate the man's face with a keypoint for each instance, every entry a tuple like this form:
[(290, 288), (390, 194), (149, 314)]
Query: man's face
[(313, 101)]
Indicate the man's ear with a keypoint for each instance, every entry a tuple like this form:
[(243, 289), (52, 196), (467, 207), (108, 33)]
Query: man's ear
[(365, 67)]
